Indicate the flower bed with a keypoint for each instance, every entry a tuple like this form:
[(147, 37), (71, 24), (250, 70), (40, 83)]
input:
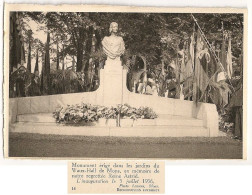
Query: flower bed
[(79, 113)]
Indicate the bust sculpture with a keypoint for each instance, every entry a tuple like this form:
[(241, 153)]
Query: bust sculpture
[(112, 76), (113, 46)]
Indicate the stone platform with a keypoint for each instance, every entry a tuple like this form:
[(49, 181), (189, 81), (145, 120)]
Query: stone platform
[(176, 117), (164, 126), (162, 120)]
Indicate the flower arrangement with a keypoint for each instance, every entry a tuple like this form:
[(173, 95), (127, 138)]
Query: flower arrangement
[(89, 113), (126, 111)]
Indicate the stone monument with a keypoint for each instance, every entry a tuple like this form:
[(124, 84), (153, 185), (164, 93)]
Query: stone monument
[(113, 76), (177, 118)]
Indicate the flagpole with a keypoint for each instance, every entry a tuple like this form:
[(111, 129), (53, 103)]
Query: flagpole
[(211, 49)]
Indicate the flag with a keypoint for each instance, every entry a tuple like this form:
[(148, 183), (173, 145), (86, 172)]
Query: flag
[(205, 69), (229, 59), (181, 66), (188, 72), (192, 43), (223, 93), (189, 66)]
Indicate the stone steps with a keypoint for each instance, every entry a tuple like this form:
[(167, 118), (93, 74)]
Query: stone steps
[(139, 131), (163, 126), (162, 120)]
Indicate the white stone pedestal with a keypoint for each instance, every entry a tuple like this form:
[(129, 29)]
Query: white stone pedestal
[(112, 83)]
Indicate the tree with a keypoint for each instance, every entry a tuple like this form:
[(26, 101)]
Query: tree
[(36, 68), (46, 73), (29, 50)]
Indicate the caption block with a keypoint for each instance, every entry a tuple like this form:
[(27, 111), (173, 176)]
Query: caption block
[(116, 177)]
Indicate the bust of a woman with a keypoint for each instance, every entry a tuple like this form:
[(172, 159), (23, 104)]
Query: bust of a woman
[(113, 46)]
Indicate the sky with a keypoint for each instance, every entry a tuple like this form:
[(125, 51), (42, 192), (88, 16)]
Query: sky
[(42, 36)]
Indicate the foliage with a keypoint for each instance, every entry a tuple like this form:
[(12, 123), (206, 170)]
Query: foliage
[(66, 81), (154, 36), (226, 120), (88, 113)]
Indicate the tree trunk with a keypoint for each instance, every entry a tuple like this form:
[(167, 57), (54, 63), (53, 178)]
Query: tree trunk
[(88, 47), (73, 63), (63, 57), (98, 40), (36, 65), (29, 57), (47, 64), (57, 65), (42, 85), (16, 48), (145, 68), (79, 58)]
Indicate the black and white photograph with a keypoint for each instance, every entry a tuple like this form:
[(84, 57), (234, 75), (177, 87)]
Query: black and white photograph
[(135, 84)]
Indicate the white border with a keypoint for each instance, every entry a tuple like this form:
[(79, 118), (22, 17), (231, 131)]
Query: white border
[(105, 8), (33, 177)]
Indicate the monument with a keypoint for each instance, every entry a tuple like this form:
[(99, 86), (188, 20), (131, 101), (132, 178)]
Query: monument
[(176, 118), (113, 76)]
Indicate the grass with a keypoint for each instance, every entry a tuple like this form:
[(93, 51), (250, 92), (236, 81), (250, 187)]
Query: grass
[(38, 145), (131, 140)]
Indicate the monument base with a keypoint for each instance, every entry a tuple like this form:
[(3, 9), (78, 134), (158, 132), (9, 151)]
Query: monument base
[(112, 82)]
